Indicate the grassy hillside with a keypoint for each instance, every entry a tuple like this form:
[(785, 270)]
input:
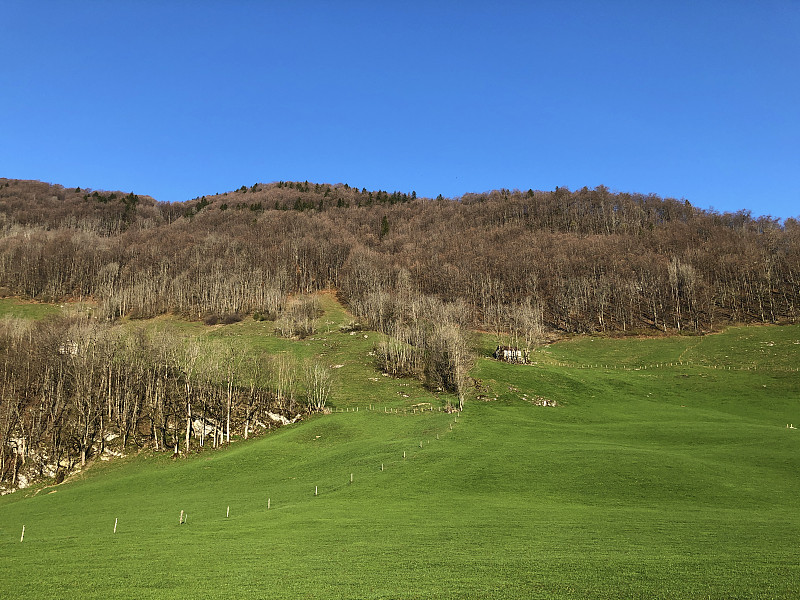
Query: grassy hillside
[(12, 307), (666, 471)]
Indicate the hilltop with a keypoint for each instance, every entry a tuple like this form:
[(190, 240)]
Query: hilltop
[(563, 261)]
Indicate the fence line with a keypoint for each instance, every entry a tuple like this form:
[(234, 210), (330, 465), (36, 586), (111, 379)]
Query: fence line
[(318, 490), (664, 365)]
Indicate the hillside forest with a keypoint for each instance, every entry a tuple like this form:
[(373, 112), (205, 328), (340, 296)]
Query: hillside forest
[(525, 266)]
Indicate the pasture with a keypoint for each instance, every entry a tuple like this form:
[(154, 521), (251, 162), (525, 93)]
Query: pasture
[(666, 470)]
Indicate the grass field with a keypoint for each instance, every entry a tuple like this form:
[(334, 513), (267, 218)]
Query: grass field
[(666, 471), (26, 310)]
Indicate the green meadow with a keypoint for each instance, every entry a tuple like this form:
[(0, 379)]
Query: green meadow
[(666, 470), (14, 307)]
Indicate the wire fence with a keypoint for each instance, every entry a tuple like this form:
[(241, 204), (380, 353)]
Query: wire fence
[(668, 365)]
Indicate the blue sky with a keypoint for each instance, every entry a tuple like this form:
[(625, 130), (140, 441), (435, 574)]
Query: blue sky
[(695, 100)]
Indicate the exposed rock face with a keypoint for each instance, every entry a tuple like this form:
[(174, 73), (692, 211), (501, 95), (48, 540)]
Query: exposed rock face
[(38, 467)]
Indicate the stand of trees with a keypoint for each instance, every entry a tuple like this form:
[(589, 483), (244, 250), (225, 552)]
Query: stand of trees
[(72, 387), (582, 261)]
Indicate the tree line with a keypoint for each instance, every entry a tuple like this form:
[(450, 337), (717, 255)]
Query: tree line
[(584, 260)]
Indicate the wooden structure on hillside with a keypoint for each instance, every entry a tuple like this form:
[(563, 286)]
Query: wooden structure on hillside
[(511, 354)]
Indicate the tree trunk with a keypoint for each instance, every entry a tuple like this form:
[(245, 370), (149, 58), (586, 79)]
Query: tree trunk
[(228, 419), (188, 424)]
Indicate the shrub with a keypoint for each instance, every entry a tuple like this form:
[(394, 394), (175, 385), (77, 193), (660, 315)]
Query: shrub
[(298, 319), (397, 358)]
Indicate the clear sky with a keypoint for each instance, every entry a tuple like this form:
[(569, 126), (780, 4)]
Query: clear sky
[(177, 99)]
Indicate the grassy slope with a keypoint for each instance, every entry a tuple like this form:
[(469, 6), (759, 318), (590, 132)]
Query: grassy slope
[(665, 482), (26, 310)]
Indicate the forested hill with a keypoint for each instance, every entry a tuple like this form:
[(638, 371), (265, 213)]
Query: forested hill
[(575, 261)]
